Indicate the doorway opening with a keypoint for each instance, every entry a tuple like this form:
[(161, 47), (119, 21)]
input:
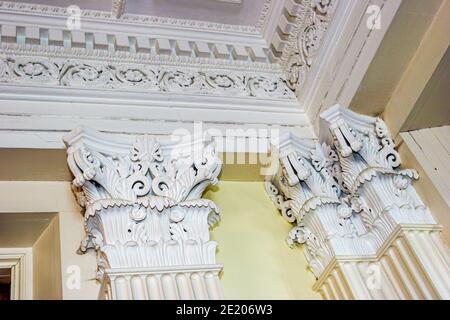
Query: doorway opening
[(5, 284)]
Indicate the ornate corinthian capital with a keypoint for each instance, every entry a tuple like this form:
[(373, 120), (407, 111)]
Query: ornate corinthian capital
[(144, 215), (367, 234)]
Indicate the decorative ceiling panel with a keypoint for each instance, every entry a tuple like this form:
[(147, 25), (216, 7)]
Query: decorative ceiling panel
[(248, 16)]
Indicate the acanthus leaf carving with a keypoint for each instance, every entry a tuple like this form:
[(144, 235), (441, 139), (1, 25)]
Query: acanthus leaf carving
[(99, 75), (305, 39), (345, 199), (143, 206)]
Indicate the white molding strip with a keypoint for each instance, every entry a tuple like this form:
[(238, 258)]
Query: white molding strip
[(428, 150), (20, 261), (156, 35), (139, 77), (101, 19), (46, 96)]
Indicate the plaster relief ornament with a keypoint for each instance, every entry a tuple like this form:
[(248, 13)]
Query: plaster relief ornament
[(350, 203), (142, 201), (75, 73), (304, 40), (346, 194)]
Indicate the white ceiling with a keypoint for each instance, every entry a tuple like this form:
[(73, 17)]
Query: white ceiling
[(219, 11)]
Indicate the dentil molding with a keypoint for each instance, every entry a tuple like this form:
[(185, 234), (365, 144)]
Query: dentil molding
[(366, 232), (191, 40), (144, 215), (40, 9)]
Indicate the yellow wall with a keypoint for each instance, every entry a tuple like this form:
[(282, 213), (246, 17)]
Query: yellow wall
[(258, 264)]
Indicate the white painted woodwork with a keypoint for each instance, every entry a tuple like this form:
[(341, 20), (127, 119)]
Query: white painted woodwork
[(367, 234), (348, 48), (52, 19), (429, 151), (239, 53), (20, 262), (201, 50), (128, 75), (257, 54), (177, 67), (144, 215), (221, 51), (174, 283), (183, 48)]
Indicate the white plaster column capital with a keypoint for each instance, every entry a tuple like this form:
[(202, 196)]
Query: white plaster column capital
[(358, 214), (143, 209)]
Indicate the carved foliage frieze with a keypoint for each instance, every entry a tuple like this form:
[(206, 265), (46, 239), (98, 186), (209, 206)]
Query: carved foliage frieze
[(305, 39), (139, 77)]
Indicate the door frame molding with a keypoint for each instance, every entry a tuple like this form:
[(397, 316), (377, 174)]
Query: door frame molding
[(19, 260)]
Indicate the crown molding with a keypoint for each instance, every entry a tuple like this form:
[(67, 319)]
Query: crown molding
[(303, 39), (98, 15), (264, 16), (95, 74), (118, 8), (347, 50), (164, 42), (101, 20), (55, 51), (307, 20)]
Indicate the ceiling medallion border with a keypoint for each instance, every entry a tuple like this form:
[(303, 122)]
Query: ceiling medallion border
[(39, 9)]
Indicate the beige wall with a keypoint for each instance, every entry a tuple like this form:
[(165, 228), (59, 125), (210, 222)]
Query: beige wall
[(47, 264), (428, 151), (397, 49), (51, 196), (74, 264)]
